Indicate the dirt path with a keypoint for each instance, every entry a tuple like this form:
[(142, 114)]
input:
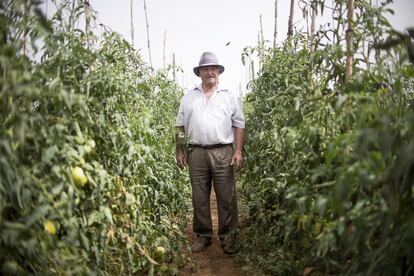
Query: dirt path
[(212, 261)]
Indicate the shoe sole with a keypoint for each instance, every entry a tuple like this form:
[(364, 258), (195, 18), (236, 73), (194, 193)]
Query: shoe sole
[(230, 253), (205, 246)]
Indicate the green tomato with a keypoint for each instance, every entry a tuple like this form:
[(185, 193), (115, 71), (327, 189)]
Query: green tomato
[(87, 148), (49, 227), (317, 228), (79, 176), (79, 140), (159, 251), (91, 143)]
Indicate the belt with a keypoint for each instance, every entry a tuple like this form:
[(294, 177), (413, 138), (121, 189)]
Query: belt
[(215, 146)]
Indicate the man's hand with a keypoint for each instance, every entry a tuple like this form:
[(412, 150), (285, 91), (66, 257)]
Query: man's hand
[(181, 159), (237, 159), (179, 149)]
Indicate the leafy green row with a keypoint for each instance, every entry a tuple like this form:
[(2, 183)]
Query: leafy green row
[(329, 180), (88, 182)]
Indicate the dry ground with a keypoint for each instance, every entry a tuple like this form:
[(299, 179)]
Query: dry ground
[(212, 261)]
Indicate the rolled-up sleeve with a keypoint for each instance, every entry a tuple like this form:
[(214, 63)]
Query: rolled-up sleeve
[(237, 118), (179, 121)]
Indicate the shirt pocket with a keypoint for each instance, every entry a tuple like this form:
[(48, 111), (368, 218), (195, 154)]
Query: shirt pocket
[(221, 111)]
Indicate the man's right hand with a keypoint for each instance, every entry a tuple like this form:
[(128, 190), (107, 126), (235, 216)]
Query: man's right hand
[(179, 149), (181, 159)]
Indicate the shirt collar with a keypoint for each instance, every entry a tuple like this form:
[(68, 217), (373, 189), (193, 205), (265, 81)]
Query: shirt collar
[(199, 87)]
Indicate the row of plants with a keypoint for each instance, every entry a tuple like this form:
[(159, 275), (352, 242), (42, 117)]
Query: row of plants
[(329, 175), (88, 182)]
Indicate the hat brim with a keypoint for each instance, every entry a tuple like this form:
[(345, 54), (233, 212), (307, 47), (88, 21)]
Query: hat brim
[(196, 70)]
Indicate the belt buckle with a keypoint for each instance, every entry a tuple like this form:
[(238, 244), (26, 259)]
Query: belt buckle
[(215, 146)]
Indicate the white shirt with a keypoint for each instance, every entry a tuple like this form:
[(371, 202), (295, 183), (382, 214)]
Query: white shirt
[(210, 122)]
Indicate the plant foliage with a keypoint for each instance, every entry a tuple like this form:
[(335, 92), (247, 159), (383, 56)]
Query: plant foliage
[(329, 180), (96, 110)]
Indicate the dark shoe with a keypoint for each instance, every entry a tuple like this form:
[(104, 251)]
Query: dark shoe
[(200, 244), (221, 242), (229, 245), (231, 249)]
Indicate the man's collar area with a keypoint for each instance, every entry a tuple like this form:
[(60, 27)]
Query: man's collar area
[(219, 89)]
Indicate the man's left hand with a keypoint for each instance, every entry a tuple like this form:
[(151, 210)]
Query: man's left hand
[(237, 159)]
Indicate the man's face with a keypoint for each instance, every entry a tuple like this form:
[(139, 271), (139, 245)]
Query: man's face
[(209, 74)]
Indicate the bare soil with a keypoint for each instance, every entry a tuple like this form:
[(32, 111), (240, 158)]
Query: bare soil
[(212, 261)]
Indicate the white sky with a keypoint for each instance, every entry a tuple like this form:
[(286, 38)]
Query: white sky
[(195, 26)]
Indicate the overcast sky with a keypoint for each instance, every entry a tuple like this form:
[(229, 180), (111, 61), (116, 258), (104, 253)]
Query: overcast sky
[(195, 26)]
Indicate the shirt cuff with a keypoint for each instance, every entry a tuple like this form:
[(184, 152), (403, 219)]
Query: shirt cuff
[(239, 125)]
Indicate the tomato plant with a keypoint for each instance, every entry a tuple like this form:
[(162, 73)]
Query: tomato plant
[(88, 176), (329, 176)]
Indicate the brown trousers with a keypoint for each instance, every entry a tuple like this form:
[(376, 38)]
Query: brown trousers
[(207, 167)]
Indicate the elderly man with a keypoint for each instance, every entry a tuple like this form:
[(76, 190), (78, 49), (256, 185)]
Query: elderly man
[(213, 123)]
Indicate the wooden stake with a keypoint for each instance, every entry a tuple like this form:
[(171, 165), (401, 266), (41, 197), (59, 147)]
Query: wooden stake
[(163, 52), (275, 31), (311, 43), (333, 22), (261, 31), (87, 8), (252, 67), (148, 38), (132, 22), (313, 24), (72, 18), (306, 13), (349, 41), (25, 12), (313, 17), (173, 61), (290, 22)]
